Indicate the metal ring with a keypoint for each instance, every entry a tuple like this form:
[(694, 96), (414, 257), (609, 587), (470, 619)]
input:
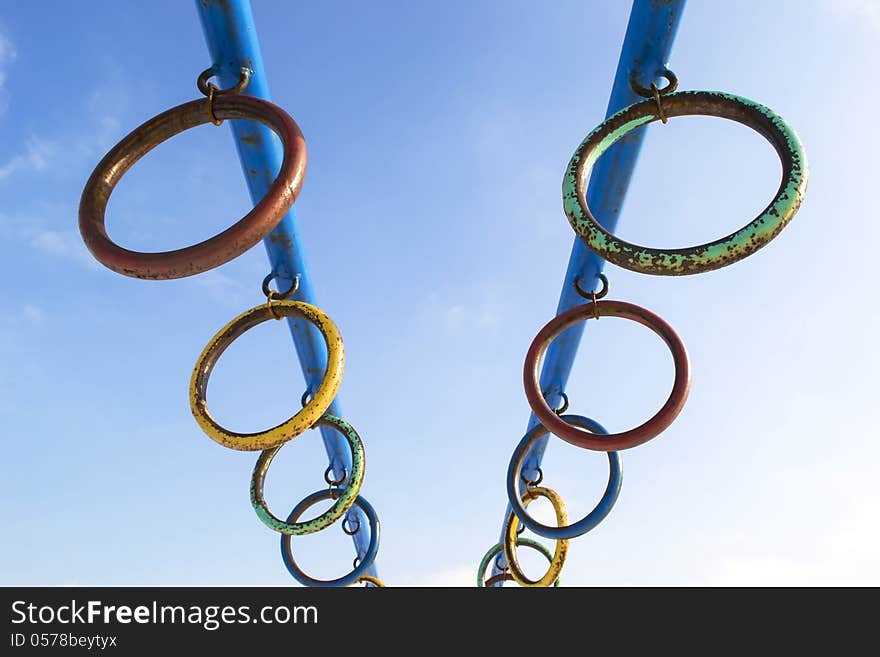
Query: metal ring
[(594, 517), (346, 526), (221, 248), (706, 257), (509, 540), (614, 441), (498, 549), (375, 581), (329, 471), (496, 579), (648, 92), (559, 410), (660, 112), (345, 580), (275, 295), (302, 420), (592, 296), (344, 497), (212, 89), (529, 482), (244, 76), (306, 397)]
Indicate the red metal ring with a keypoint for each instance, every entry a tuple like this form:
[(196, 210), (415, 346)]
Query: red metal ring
[(221, 248), (612, 441)]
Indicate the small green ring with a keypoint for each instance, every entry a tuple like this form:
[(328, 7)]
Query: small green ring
[(499, 548), (343, 503)]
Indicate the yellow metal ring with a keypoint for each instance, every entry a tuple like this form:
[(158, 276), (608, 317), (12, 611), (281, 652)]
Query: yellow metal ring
[(510, 537), (375, 581), (311, 412)]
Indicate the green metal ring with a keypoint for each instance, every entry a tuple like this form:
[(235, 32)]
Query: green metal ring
[(706, 257), (342, 504), (499, 548)]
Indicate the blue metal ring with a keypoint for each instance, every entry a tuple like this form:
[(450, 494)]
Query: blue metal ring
[(363, 566), (582, 526)]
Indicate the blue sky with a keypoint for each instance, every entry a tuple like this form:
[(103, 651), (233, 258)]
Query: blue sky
[(438, 134)]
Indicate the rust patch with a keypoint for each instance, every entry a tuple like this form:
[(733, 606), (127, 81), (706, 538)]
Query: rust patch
[(281, 240)]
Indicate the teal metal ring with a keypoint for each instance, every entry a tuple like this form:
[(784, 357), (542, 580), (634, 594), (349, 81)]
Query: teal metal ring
[(594, 517), (359, 570), (499, 548), (346, 496), (706, 257)]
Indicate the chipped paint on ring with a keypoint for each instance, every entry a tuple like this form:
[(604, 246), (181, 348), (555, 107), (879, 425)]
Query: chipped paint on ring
[(509, 539), (304, 419), (343, 503), (375, 581), (706, 257)]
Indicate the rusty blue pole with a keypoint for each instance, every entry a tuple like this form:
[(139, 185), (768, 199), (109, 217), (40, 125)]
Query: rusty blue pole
[(231, 35), (644, 54)]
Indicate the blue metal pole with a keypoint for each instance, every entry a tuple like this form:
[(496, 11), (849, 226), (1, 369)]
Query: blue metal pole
[(645, 51), (231, 36)]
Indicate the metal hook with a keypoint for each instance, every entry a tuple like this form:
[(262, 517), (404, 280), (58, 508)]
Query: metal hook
[(334, 482), (274, 294), (564, 407), (592, 296), (646, 92), (210, 89), (503, 568), (532, 483), (244, 76), (346, 527), (306, 398), (654, 92)]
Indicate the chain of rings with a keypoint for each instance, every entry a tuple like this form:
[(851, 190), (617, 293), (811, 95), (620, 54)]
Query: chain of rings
[(219, 105), (660, 104)]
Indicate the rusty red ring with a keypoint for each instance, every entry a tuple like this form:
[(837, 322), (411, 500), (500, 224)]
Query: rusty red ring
[(611, 441), (221, 248)]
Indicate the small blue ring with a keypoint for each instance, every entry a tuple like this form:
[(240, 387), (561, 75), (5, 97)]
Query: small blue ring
[(345, 580), (582, 526)]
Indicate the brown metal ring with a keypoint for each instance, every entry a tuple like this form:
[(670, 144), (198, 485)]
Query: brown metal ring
[(221, 248), (500, 577), (613, 441)]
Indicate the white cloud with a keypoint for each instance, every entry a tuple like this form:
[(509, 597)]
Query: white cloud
[(65, 244), (102, 110), (223, 289), (35, 158), (105, 106)]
